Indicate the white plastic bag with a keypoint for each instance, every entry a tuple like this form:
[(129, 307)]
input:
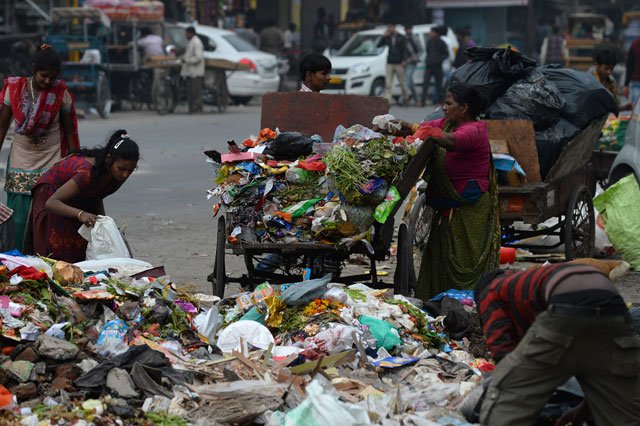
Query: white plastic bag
[(105, 241)]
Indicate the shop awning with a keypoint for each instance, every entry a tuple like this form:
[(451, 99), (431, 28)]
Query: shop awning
[(446, 4)]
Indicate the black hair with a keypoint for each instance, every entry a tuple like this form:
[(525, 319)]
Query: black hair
[(606, 57), (437, 30), (119, 147), (555, 29), (464, 94), (145, 31), (314, 62), (484, 282), (190, 30), (46, 58)]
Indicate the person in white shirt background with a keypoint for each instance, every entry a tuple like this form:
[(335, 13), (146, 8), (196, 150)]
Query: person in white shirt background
[(193, 70)]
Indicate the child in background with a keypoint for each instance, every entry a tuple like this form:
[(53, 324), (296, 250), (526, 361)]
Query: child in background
[(605, 62)]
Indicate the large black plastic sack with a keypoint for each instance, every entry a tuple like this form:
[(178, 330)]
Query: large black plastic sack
[(289, 146), (585, 98), (492, 71), (550, 143), (531, 98)]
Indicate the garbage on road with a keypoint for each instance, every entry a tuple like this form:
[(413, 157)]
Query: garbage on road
[(290, 188), (101, 347)]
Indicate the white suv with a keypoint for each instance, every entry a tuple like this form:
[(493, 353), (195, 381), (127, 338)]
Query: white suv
[(359, 65)]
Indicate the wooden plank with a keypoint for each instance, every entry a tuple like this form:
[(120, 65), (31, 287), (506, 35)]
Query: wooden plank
[(315, 113), (521, 140)]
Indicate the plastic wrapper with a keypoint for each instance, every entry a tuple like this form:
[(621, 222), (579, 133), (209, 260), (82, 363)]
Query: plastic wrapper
[(275, 311), (112, 338), (618, 206), (385, 208), (531, 98), (585, 98), (298, 175), (386, 335)]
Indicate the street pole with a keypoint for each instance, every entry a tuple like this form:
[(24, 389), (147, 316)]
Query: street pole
[(529, 45)]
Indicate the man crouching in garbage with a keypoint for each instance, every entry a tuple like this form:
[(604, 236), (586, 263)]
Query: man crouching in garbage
[(547, 324)]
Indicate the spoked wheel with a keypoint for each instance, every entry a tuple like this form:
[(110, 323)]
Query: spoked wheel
[(420, 222), (404, 263), (162, 94), (103, 95), (137, 91), (219, 278), (579, 225)]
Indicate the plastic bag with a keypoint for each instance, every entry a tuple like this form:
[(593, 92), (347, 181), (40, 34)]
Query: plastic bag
[(322, 407), (105, 241), (289, 146), (551, 142), (531, 98), (385, 334), (619, 206), (585, 98), (302, 293), (492, 71)]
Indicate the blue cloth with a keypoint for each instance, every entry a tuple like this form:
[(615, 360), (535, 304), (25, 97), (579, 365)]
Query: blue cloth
[(464, 296)]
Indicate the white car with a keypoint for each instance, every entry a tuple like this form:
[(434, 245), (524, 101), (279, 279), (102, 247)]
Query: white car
[(359, 65), (218, 43)]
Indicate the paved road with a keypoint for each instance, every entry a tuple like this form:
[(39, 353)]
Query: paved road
[(163, 206)]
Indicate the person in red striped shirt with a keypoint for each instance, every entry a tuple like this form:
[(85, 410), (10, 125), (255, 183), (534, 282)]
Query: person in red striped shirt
[(548, 324)]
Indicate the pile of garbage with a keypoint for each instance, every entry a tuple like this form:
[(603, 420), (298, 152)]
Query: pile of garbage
[(560, 102), (112, 342), (289, 188), (613, 133)]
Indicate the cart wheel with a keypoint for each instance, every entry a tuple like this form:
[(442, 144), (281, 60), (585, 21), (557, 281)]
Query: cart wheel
[(218, 278), (579, 225), (103, 95), (162, 94), (222, 95), (137, 88), (420, 221), (404, 263)]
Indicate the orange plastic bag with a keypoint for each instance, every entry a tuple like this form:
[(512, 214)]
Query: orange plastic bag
[(6, 398)]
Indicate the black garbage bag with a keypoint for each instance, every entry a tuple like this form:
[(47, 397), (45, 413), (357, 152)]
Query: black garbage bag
[(531, 98), (550, 143), (585, 98), (289, 146), (492, 70), (457, 320)]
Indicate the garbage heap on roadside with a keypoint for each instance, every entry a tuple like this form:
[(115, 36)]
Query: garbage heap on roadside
[(107, 343), (289, 188), (560, 102)]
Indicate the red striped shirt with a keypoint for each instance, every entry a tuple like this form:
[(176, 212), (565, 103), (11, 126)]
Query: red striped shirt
[(511, 303)]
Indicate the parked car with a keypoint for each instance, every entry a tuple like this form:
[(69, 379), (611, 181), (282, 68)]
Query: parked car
[(261, 78), (628, 159), (359, 66)]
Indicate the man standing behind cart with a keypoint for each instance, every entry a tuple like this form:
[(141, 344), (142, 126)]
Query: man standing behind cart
[(193, 70), (151, 44)]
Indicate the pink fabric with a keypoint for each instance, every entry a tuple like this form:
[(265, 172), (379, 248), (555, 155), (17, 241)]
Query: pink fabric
[(470, 158)]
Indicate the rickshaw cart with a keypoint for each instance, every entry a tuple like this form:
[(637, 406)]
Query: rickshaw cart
[(216, 91), (79, 35), (312, 113), (566, 193), (132, 78)]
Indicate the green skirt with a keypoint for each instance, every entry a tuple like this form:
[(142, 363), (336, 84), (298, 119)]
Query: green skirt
[(20, 204)]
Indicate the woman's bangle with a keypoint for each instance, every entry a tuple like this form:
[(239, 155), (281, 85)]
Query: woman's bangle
[(80, 214)]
